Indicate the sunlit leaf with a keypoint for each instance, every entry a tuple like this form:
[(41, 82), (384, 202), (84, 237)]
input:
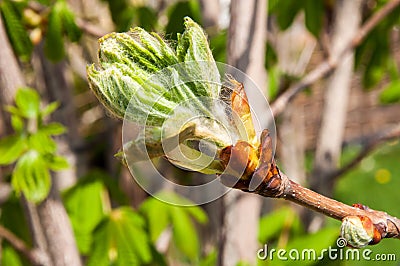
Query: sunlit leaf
[(85, 206), (52, 129), (57, 163), (184, 233), (49, 109), (42, 143), (17, 123), (31, 177), (28, 102), (157, 214), (121, 239), (11, 148), (10, 257)]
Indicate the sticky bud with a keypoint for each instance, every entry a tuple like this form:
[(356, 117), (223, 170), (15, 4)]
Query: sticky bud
[(358, 231)]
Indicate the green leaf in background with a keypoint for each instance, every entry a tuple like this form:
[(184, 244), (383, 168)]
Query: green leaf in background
[(391, 93), (54, 42), (17, 33), (121, 239), (145, 17), (157, 215), (56, 162), (49, 109), (161, 215), (52, 129), (42, 143), (286, 11), (85, 205), (272, 224), (68, 21), (9, 256), (31, 177), (176, 14), (17, 123), (27, 101), (11, 147), (314, 15), (184, 233)]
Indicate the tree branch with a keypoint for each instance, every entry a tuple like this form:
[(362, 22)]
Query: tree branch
[(276, 184), (371, 144), (33, 255), (262, 176), (324, 68)]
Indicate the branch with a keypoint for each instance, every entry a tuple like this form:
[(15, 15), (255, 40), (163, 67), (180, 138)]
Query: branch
[(33, 255), (324, 68), (371, 144), (264, 178)]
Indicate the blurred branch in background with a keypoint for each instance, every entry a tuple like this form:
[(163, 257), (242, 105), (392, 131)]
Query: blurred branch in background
[(324, 68)]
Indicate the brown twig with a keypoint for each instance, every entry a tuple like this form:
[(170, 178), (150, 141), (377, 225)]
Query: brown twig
[(330, 63), (260, 175), (371, 144), (33, 255)]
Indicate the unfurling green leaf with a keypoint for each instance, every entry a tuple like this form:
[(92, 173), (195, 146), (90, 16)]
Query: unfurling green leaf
[(31, 177), (129, 60)]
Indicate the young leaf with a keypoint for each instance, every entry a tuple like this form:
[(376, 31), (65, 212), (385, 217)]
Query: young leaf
[(42, 143), (28, 102), (49, 109), (17, 123), (31, 177), (54, 43), (57, 163), (11, 147), (52, 129)]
